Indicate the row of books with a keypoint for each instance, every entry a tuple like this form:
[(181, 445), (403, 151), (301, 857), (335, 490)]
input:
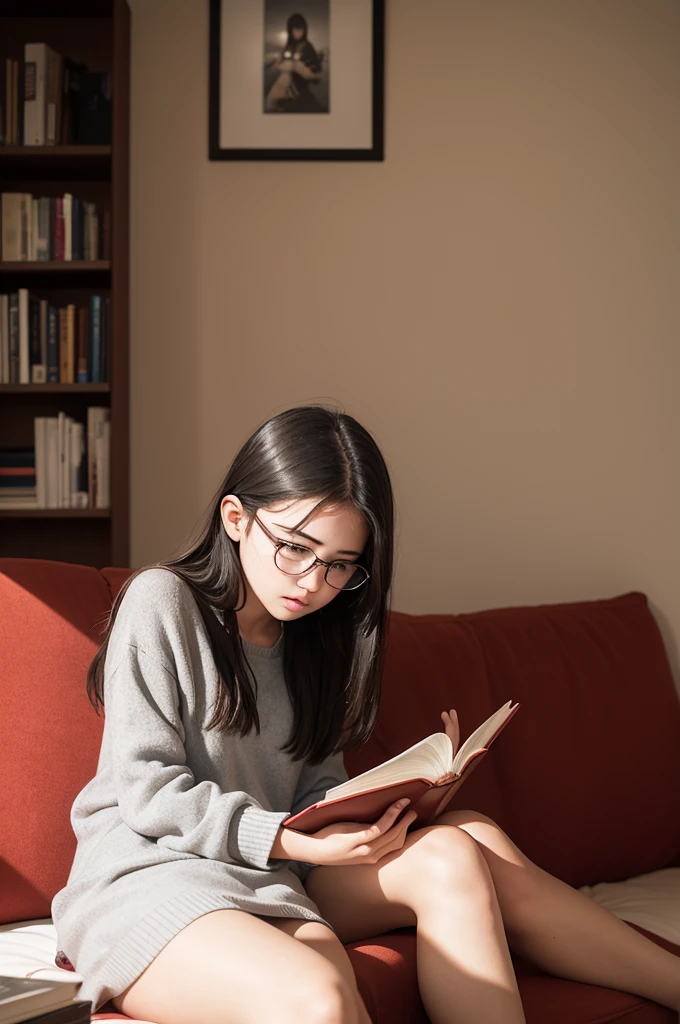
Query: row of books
[(40, 228), (47, 99), (45, 344), (69, 467)]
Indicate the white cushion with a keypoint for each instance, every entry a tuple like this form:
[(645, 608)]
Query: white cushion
[(651, 901), (28, 949)]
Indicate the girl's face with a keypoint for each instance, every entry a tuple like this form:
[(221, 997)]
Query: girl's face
[(338, 534), (298, 33)]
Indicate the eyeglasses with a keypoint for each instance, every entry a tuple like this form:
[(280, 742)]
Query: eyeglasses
[(294, 560)]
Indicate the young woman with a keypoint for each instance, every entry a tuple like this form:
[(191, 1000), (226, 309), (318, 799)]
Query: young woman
[(233, 678), (298, 65)]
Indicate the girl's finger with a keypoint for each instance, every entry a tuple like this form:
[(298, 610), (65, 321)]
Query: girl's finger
[(383, 823), (395, 834)]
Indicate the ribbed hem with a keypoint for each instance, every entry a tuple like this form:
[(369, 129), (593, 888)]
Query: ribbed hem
[(256, 832), (135, 951)]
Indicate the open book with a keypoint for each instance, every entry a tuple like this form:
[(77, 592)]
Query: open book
[(427, 773)]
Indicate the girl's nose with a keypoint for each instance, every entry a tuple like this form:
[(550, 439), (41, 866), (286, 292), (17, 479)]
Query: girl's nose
[(313, 579)]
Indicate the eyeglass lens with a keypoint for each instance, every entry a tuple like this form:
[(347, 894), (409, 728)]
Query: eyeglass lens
[(341, 575)]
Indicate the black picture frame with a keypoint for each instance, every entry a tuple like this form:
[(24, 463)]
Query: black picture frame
[(375, 152)]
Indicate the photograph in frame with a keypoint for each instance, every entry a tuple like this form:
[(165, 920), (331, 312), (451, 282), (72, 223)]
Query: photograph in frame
[(296, 80)]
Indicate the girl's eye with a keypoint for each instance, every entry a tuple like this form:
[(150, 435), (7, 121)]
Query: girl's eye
[(294, 549)]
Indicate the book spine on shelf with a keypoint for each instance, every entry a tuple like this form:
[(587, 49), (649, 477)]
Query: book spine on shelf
[(25, 225), (11, 226), (63, 342), (24, 360), (71, 342), (43, 243), (39, 424), (51, 459), (68, 226), (13, 335), (58, 247), (4, 327), (35, 70), (37, 369), (95, 338), (83, 345), (33, 230), (52, 344), (41, 370)]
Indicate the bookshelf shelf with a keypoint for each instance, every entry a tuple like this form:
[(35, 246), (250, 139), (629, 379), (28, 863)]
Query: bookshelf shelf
[(52, 266), (94, 34), (55, 513), (52, 163), (64, 389)]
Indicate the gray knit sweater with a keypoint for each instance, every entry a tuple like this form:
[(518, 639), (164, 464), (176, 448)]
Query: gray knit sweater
[(178, 820)]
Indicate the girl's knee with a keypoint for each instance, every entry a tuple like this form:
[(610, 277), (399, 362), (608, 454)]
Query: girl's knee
[(448, 856), (324, 998)]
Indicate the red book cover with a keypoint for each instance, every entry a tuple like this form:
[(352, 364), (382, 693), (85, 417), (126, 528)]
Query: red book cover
[(426, 797)]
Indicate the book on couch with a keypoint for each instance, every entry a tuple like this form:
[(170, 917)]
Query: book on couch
[(48, 1002), (427, 773)]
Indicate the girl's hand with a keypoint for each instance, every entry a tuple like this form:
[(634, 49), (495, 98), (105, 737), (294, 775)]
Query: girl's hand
[(452, 728), (351, 842)]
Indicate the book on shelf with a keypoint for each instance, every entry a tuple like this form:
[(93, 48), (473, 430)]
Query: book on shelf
[(38, 229), (50, 1002), (41, 343), (427, 773), (68, 467), (50, 100)]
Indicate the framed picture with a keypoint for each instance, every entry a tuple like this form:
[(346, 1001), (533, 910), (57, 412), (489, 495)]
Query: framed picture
[(296, 79)]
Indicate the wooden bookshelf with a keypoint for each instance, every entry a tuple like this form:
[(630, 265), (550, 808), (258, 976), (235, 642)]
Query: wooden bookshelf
[(95, 33)]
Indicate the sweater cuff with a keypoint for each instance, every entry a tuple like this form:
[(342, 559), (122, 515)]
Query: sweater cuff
[(253, 833)]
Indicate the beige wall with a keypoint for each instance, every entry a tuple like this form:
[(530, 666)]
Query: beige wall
[(497, 302)]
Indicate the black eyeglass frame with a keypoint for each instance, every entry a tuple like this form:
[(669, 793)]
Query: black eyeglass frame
[(278, 544)]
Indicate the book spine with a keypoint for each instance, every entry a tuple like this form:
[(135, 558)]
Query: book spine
[(43, 242), (35, 60), (58, 229), (11, 226), (68, 223), (13, 335), (71, 342), (95, 338), (63, 345), (52, 345), (52, 458), (34, 339), (4, 327), (24, 360), (40, 463), (83, 345)]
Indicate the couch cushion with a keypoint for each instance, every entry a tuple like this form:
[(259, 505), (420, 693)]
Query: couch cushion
[(586, 777), (51, 616)]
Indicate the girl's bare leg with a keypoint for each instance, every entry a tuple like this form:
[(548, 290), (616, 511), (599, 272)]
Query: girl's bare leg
[(563, 931), (231, 967), (438, 881)]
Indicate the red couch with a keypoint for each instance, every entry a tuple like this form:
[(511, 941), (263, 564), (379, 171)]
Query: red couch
[(585, 779)]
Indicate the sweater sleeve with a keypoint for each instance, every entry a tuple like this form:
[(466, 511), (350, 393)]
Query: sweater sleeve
[(157, 793)]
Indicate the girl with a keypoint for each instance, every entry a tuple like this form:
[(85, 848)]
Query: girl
[(234, 676), (298, 65)]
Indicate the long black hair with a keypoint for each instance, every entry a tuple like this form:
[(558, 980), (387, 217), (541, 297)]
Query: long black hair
[(333, 657), (296, 21)]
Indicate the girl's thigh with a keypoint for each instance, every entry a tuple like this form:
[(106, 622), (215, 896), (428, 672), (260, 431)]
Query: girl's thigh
[(364, 900), (231, 967)]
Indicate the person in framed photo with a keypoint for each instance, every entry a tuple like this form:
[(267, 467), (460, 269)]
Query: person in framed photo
[(300, 66)]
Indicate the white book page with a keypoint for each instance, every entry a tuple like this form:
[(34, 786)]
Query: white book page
[(478, 739), (428, 759)]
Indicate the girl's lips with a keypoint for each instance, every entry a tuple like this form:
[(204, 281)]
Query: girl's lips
[(296, 601)]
